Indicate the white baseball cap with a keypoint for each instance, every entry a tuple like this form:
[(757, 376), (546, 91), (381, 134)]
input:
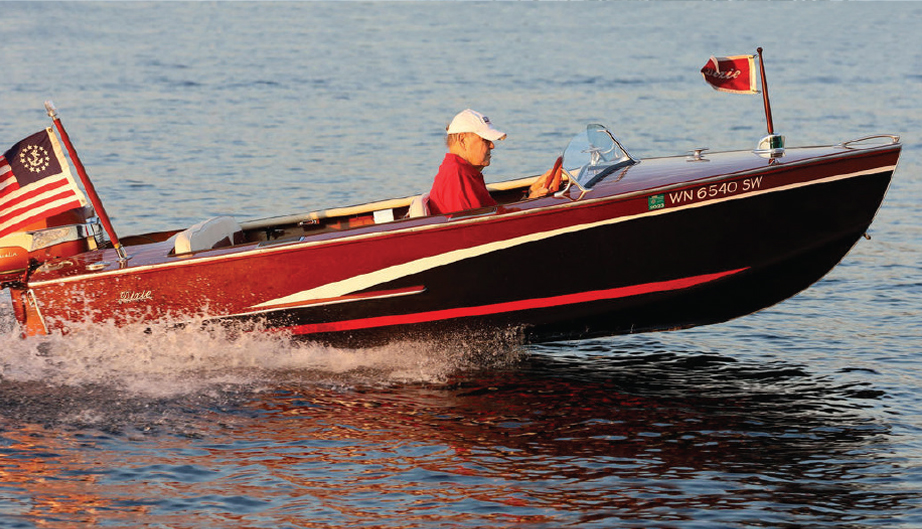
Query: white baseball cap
[(473, 121)]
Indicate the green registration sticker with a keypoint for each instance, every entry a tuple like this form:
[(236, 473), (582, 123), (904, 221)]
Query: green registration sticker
[(656, 202)]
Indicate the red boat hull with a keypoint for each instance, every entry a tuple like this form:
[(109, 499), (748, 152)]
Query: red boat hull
[(667, 244)]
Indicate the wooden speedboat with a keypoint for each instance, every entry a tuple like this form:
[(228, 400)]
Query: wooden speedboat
[(625, 246)]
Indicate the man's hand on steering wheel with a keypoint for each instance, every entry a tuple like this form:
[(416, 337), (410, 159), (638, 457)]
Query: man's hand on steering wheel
[(549, 182)]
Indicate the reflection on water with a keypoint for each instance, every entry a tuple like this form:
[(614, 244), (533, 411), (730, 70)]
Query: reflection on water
[(552, 435)]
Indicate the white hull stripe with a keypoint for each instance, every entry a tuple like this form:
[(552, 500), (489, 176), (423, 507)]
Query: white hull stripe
[(336, 301)]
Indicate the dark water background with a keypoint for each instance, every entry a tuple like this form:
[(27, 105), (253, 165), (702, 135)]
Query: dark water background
[(807, 414)]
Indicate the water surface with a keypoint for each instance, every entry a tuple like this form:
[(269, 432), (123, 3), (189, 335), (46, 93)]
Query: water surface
[(806, 414)]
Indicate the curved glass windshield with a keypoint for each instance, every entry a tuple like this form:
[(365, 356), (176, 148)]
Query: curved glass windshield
[(594, 154)]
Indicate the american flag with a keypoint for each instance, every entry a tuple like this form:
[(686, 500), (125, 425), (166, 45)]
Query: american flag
[(35, 182)]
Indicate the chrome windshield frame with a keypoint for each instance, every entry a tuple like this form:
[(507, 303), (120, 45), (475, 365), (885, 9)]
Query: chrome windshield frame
[(598, 142)]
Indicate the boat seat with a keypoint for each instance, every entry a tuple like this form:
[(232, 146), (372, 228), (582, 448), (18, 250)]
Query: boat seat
[(419, 207), (206, 235)]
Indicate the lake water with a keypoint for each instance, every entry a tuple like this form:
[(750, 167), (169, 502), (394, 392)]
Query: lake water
[(807, 414)]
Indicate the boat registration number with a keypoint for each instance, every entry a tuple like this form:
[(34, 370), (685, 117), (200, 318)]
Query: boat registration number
[(697, 194)]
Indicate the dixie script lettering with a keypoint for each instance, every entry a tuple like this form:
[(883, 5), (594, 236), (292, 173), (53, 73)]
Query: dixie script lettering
[(135, 296)]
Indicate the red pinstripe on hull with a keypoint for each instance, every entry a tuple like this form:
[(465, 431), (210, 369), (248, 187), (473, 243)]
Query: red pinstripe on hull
[(510, 306)]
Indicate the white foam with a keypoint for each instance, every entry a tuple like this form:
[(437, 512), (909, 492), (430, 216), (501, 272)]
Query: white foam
[(166, 363)]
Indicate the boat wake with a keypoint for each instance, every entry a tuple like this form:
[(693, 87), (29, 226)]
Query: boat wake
[(88, 377), (170, 362)]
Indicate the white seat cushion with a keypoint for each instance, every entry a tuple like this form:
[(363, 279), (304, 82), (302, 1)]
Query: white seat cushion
[(206, 235), (419, 207)]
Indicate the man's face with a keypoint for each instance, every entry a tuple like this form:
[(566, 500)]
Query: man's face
[(476, 150)]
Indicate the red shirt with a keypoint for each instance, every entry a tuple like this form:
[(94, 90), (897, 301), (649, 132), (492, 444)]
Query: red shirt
[(457, 187)]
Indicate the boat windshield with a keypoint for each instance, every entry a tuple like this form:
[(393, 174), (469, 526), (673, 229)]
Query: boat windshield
[(594, 154)]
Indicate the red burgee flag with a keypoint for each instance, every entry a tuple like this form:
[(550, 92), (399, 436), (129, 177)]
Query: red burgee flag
[(35, 182), (735, 74)]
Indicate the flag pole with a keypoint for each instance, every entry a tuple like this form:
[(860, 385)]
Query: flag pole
[(87, 184), (768, 107)]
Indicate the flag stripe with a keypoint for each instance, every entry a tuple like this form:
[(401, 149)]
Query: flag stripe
[(7, 180), (24, 195), (35, 203), (38, 208), (7, 186), (67, 202)]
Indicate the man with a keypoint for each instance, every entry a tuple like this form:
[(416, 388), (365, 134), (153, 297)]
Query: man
[(459, 184)]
